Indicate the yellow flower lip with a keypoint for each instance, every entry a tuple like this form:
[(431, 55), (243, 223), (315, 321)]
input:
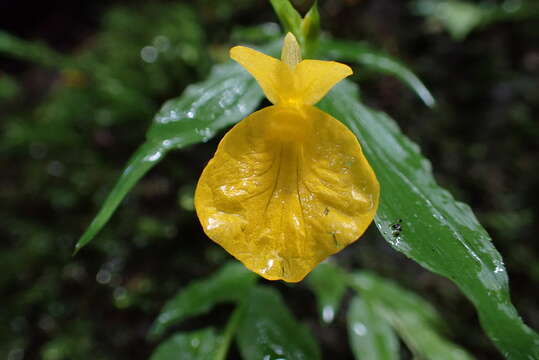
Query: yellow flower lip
[(288, 185)]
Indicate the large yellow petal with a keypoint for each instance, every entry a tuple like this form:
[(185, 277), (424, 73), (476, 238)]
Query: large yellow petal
[(286, 188), (274, 77), (314, 78)]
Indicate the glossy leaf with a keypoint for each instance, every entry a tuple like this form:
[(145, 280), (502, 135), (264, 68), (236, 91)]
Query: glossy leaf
[(288, 16), (328, 283), (228, 95), (268, 330), (230, 284), (195, 345), (375, 60), (369, 334), (412, 317), (437, 231)]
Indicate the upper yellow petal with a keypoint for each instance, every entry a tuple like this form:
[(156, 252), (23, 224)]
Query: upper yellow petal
[(315, 78), (273, 76), (306, 83), (286, 188)]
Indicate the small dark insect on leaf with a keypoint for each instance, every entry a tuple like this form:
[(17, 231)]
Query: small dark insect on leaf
[(397, 228)]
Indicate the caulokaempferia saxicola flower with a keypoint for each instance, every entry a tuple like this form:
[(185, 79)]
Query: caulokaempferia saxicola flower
[(288, 185)]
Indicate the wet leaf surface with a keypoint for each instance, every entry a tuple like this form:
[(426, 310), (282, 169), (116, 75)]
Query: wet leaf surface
[(440, 233), (230, 284), (369, 334), (269, 331), (414, 319), (375, 60), (228, 95)]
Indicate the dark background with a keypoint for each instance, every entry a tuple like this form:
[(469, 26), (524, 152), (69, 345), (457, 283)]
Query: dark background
[(481, 139)]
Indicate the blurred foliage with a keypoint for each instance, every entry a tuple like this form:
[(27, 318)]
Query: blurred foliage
[(197, 345), (66, 148), (462, 17), (66, 132), (418, 324), (9, 88)]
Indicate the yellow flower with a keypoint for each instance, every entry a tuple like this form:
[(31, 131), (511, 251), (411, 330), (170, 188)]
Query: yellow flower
[(288, 185)]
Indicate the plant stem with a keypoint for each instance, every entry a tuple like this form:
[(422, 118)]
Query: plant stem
[(229, 333)]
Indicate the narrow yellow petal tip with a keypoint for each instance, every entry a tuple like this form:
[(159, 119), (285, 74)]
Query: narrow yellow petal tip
[(236, 52), (291, 52)]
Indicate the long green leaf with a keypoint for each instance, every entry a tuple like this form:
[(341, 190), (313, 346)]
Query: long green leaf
[(414, 319), (438, 232), (376, 61), (370, 335), (146, 157), (31, 51), (329, 284), (228, 95), (195, 345), (230, 284), (268, 330)]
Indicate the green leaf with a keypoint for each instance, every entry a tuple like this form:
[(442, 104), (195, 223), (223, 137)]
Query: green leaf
[(328, 282), (414, 319), (230, 284), (146, 157), (370, 335), (438, 232), (268, 330), (310, 30), (375, 60), (195, 345), (288, 16), (229, 333), (228, 95), (32, 51)]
